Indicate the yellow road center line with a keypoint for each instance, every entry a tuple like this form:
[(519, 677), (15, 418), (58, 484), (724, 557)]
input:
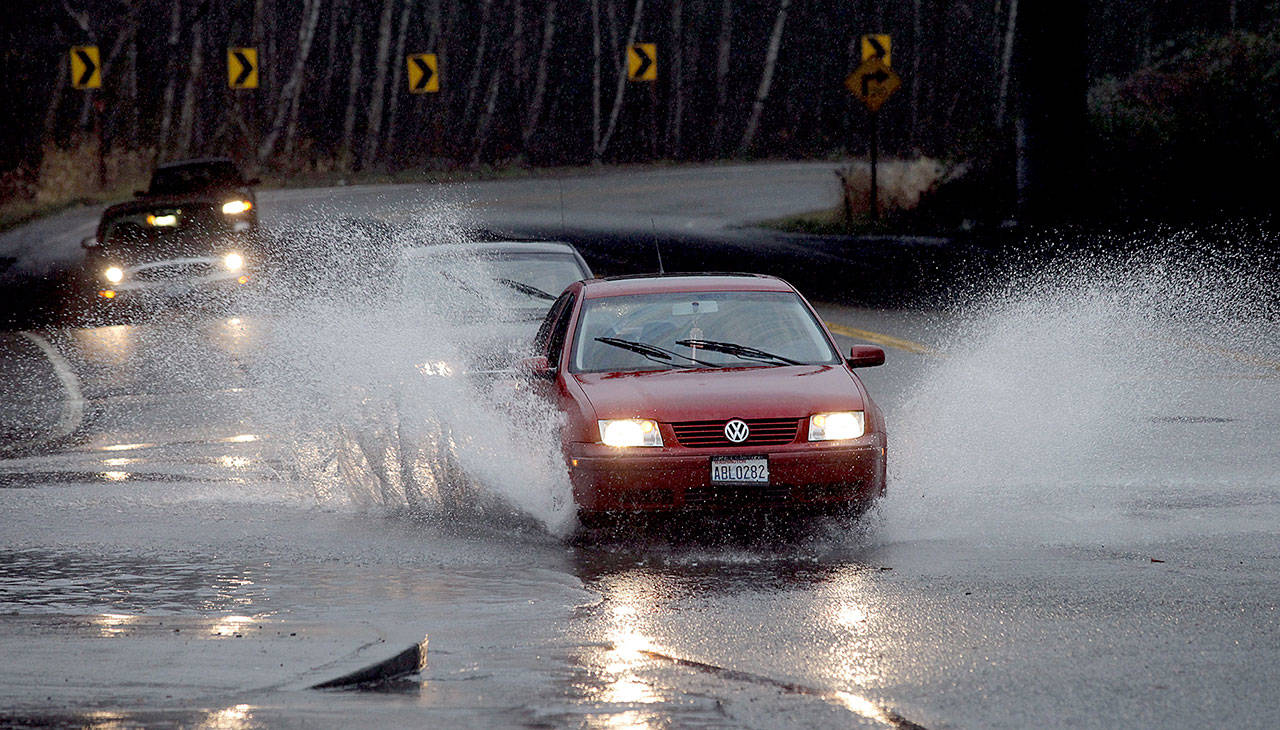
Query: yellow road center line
[(880, 338), (1244, 358)]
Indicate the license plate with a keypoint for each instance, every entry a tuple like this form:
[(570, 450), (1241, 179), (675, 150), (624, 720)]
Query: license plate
[(740, 470)]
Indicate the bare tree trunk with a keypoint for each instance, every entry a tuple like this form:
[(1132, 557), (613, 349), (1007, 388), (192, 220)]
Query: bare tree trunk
[(517, 50), (766, 79), (171, 84), (345, 149), (1006, 60), (611, 13), (486, 117), (619, 91), (55, 100), (675, 121), (433, 25), (376, 104), (287, 103), (398, 66), (337, 12), (722, 74), (595, 79), (917, 48), (186, 124), (540, 81), (131, 92), (477, 68)]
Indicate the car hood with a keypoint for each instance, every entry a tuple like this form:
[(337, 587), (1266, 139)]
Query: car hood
[(694, 395)]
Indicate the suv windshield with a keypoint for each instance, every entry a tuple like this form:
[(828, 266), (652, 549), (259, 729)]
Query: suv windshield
[(195, 177), (713, 329)]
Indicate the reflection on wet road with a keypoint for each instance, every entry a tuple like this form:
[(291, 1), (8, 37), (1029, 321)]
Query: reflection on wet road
[(1070, 537)]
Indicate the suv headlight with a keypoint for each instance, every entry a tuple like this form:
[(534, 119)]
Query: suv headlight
[(630, 432), (233, 261), (837, 426), (236, 207), (113, 274)]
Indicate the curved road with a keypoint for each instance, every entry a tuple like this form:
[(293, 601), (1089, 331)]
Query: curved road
[(200, 516)]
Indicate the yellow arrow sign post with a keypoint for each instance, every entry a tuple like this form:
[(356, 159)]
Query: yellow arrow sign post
[(642, 62), (424, 75), (874, 82), (876, 45), (242, 68), (86, 71)]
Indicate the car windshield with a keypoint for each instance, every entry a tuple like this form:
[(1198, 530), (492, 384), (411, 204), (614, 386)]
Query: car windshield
[(711, 329), (509, 286), (194, 177)]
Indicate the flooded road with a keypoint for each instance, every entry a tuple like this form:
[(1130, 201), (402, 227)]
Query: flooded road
[(203, 515)]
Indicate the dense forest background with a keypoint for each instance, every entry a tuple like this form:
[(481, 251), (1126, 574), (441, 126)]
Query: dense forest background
[(1179, 99)]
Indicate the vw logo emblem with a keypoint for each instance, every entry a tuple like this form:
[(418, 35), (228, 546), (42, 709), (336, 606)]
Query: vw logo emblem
[(736, 430)]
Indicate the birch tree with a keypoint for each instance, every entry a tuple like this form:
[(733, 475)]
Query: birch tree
[(620, 89), (374, 131), (675, 121), (186, 123), (766, 78), (477, 67), (540, 77), (290, 95), (723, 41), (1006, 61), (346, 149), (397, 66)]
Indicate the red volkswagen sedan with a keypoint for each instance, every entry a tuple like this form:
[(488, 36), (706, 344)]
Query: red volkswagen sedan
[(704, 391)]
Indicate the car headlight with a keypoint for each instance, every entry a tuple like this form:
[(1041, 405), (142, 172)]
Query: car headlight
[(236, 207), (114, 274), (837, 426), (630, 432), (233, 261)]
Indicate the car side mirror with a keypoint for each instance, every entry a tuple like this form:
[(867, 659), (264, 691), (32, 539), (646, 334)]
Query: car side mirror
[(536, 367), (89, 242), (865, 356)]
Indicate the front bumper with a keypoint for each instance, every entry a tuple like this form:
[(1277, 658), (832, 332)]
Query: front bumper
[(155, 292), (607, 479)]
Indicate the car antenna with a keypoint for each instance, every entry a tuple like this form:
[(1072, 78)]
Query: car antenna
[(654, 227)]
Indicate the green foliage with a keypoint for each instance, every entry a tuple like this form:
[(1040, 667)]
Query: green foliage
[(1196, 133)]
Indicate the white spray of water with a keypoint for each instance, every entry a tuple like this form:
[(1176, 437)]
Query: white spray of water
[(1078, 392), (368, 377)]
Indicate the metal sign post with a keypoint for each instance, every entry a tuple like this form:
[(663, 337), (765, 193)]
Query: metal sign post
[(874, 82)]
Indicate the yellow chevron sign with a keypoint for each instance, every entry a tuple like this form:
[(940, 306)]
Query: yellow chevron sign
[(86, 71)]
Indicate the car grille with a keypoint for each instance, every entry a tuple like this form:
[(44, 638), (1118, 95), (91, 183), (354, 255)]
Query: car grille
[(763, 432), (169, 272)]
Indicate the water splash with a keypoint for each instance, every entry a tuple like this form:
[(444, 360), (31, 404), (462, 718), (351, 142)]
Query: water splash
[(367, 372), (1082, 389)]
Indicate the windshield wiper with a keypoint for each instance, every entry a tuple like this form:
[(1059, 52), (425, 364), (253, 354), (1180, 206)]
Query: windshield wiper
[(524, 288), (463, 285), (742, 351), (655, 353)]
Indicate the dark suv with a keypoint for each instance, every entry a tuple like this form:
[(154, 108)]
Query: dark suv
[(193, 229)]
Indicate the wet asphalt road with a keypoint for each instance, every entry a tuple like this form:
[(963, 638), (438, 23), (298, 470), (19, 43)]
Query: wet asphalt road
[(1082, 531)]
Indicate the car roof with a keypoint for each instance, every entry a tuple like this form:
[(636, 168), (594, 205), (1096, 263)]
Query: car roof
[(616, 286), (488, 247)]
